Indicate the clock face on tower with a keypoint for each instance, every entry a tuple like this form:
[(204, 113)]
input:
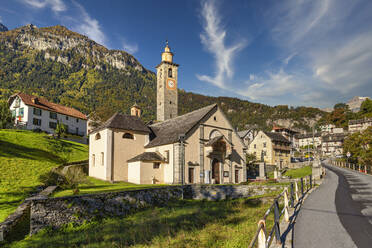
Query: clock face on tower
[(171, 84)]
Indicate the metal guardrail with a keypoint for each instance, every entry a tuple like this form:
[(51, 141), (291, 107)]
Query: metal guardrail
[(367, 169), (262, 238)]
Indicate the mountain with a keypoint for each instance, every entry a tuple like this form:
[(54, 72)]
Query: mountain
[(69, 68), (3, 28)]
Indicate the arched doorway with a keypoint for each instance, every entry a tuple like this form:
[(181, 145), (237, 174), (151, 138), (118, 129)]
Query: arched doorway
[(216, 171)]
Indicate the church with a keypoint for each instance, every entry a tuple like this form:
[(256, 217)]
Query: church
[(200, 147)]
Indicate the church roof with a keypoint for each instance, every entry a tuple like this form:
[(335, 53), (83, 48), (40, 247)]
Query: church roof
[(168, 132), (148, 157), (126, 122)]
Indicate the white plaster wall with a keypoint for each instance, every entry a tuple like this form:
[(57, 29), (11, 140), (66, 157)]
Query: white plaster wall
[(96, 147), (134, 172), (45, 119), (168, 167)]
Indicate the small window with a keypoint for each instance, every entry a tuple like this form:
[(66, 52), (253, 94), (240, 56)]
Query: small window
[(264, 144), (53, 116), (167, 156), (21, 112), (255, 146), (102, 158), (53, 125), (14, 113), (170, 102), (77, 120), (215, 118), (66, 118), (170, 72), (98, 136), (93, 160), (37, 111), (36, 122), (156, 165), (128, 136)]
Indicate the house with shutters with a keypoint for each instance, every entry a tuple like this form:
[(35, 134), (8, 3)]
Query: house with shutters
[(200, 147), (37, 113)]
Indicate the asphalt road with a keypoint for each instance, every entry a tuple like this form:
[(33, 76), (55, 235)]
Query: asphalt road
[(338, 213)]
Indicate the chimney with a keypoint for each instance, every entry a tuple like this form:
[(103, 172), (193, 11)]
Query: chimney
[(35, 100), (135, 110)]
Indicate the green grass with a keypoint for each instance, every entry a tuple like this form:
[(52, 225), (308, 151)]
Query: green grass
[(181, 224), (24, 156), (94, 186), (298, 173)]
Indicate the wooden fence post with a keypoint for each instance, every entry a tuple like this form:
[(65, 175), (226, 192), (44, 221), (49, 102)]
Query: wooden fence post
[(296, 188), (262, 235), (286, 214)]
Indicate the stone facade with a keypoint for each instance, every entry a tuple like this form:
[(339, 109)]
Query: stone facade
[(167, 93)]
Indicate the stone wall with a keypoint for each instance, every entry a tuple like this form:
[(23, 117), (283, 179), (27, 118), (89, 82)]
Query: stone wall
[(222, 192), (55, 212)]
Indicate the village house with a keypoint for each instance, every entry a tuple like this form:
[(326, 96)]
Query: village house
[(247, 136), (37, 113), (273, 147), (198, 147), (359, 125), (309, 139), (332, 144), (289, 134)]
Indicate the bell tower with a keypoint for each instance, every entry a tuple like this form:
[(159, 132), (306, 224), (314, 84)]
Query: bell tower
[(167, 94)]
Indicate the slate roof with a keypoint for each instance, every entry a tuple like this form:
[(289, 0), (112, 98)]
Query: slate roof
[(148, 157), (167, 132), (42, 103), (243, 133), (126, 122), (307, 135), (277, 137)]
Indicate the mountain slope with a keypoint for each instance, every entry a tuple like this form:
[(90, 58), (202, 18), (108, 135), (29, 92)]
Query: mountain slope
[(71, 69), (3, 28)]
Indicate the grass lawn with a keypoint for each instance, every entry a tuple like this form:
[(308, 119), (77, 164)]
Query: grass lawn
[(181, 224), (298, 173), (98, 186), (24, 156)]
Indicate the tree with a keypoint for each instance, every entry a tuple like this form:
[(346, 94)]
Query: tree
[(341, 106), (6, 118), (366, 108), (360, 146), (60, 129)]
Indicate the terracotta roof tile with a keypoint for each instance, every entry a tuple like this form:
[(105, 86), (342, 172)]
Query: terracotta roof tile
[(42, 103)]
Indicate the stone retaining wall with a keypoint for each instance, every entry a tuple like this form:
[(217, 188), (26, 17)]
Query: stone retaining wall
[(222, 192), (55, 212)]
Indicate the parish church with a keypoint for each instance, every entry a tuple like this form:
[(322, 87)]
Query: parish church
[(200, 147)]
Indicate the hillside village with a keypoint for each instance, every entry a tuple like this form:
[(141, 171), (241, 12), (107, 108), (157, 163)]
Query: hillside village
[(158, 146)]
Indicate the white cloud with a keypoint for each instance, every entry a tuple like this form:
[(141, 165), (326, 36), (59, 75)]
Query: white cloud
[(55, 5), (213, 39), (272, 85), (89, 26), (130, 48)]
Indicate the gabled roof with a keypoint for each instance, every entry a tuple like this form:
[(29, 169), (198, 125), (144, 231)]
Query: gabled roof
[(168, 132), (148, 157), (126, 122), (42, 103), (243, 133), (277, 137)]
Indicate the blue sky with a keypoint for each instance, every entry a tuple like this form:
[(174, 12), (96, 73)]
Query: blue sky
[(294, 52)]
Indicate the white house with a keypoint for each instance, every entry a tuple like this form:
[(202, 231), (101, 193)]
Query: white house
[(33, 113)]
